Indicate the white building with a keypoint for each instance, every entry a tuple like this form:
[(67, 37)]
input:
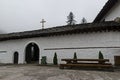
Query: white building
[(84, 39), (110, 11)]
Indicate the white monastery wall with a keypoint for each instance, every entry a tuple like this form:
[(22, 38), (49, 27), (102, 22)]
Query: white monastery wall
[(113, 13), (84, 40)]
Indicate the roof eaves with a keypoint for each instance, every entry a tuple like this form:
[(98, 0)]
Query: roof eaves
[(79, 28)]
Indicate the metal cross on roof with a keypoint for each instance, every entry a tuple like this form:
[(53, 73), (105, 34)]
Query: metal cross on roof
[(43, 21)]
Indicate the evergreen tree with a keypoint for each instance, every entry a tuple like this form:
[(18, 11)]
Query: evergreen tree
[(100, 55), (75, 55), (83, 21), (70, 18), (55, 60)]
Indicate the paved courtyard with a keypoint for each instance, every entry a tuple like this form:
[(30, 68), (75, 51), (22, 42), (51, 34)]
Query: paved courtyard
[(32, 72)]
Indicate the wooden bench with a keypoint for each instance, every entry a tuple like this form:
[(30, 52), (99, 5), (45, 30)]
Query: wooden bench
[(86, 65), (102, 61), (89, 63)]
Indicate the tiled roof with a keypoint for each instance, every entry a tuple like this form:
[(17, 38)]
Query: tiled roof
[(79, 28)]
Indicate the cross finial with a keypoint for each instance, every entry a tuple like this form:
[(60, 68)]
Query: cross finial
[(43, 21)]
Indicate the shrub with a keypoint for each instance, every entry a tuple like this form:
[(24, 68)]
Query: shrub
[(55, 60), (100, 55), (44, 60), (75, 55)]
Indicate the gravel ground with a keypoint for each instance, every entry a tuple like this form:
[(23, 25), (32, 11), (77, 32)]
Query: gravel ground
[(32, 72)]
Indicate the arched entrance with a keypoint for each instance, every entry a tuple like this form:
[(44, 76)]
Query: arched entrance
[(32, 53), (16, 57)]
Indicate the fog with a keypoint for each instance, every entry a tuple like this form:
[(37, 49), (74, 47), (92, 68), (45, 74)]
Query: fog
[(24, 15)]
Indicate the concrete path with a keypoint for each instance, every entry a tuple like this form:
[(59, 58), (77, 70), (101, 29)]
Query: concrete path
[(32, 72)]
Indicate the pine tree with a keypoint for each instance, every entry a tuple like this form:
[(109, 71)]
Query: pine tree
[(55, 60), (70, 18), (83, 21)]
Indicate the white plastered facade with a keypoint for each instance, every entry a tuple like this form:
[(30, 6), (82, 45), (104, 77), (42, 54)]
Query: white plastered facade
[(113, 13), (106, 42)]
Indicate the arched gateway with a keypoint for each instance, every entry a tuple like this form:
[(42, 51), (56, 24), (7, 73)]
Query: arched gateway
[(32, 53)]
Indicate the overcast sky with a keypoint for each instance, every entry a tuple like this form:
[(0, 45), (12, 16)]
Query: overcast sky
[(23, 15)]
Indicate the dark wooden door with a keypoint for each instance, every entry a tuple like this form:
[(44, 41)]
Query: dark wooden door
[(117, 60), (32, 53), (16, 56)]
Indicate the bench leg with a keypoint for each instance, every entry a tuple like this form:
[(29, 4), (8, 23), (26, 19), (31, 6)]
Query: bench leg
[(61, 67), (69, 67)]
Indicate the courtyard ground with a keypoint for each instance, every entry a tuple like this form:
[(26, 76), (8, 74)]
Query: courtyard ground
[(34, 72)]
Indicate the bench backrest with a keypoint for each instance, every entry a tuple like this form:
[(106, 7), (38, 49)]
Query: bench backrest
[(105, 60)]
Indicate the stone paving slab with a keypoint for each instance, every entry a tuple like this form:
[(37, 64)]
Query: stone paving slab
[(32, 72)]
